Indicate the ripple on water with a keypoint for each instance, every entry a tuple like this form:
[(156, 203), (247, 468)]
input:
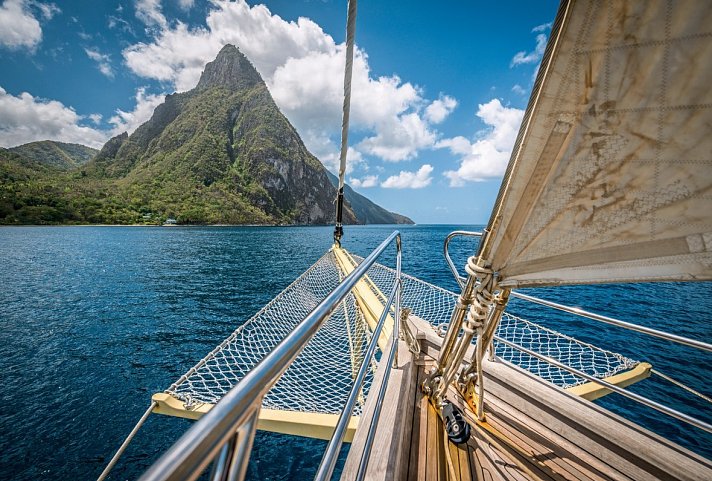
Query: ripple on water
[(96, 319)]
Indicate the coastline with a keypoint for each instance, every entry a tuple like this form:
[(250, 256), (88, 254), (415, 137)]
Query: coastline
[(199, 225)]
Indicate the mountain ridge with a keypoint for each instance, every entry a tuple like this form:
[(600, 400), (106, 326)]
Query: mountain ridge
[(221, 153), (62, 155)]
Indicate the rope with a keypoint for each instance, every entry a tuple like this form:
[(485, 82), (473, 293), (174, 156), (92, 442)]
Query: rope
[(448, 457), (483, 297), (407, 332), (350, 34), (125, 444), (681, 385)]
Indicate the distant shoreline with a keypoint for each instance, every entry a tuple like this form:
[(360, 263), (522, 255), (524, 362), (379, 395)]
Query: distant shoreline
[(206, 225)]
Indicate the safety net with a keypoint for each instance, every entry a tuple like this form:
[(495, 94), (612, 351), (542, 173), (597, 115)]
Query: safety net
[(435, 305), (320, 378)]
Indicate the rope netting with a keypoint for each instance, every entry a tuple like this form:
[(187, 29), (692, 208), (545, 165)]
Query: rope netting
[(320, 378), (435, 305), (569, 351)]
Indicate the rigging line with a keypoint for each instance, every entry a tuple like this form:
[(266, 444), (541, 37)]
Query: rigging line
[(126, 442), (681, 385), (350, 34)]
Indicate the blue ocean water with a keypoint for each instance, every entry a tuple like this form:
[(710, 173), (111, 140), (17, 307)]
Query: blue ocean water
[(96, 319)]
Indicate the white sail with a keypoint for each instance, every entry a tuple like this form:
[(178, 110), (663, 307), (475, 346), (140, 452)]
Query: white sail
[(611, 176)]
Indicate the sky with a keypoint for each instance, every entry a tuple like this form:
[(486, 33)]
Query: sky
[(439, 88)]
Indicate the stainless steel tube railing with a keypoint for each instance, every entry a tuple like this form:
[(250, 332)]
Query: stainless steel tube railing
[(446, 251), (616, 322), (624, 392), (391, 362), (331, 454), (237, 411)]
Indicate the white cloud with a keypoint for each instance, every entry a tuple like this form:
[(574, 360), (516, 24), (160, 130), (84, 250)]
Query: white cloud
[(543, 27), (438, 111), (365, 183), (488, 156), (120, 23), (533, 56), (386, 109), (399, 138), (458, 145), (410, 180), (130, 121), (149, 12), (103, 61), (48, 10), (19, 28), (186, 4), (518, 89), (26, 119)]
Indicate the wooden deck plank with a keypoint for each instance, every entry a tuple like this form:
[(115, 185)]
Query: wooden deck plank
[(419, 436), (527, 433), (412, 469), (501, 465), (551, 459), (485, 469), (431, 445), (390, 447), (410, 399), (464, 462), (475, 468), (624, 447)]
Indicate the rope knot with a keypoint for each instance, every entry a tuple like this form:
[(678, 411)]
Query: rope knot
[(476, 270), (482, 297)]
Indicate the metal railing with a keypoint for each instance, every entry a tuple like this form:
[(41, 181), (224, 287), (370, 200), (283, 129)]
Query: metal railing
[(225, 434), (616, 322), (596, 317), (446, 251), (624, 392), (328, 462)]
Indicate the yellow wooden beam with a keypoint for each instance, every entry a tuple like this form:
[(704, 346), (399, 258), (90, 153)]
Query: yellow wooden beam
[(368, 300), (311, 425), (593, 391)]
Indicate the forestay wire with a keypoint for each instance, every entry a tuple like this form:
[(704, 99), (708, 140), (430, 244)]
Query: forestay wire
[(350, 34)]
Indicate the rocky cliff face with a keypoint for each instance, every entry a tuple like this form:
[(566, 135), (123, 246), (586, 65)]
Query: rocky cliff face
[(366, 211), (226, 147)]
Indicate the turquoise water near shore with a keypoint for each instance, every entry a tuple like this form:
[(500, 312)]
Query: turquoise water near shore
[(96, 319)]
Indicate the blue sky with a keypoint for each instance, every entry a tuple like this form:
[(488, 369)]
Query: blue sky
[(439, 87)]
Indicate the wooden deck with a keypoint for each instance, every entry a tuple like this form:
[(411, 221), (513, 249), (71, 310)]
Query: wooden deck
[(534, 431)]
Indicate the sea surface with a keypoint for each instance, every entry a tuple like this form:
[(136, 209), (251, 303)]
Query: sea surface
[(93, 320)]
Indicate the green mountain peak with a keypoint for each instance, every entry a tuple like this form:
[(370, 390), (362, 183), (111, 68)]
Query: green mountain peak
[(231, 70), (221, 153)]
